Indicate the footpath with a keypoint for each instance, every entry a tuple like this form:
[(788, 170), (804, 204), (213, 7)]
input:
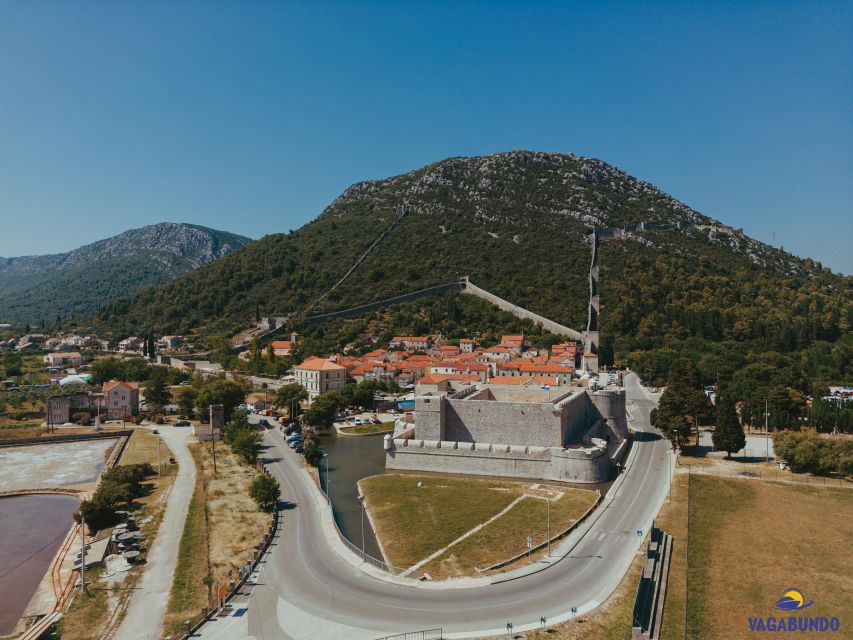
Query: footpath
[(147, 607)]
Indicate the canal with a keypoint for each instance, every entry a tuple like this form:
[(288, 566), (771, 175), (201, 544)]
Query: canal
[(349, 459), (31, 530)]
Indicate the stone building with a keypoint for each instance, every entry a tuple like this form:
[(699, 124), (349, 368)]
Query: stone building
[(525, 431), (319, 375), (122, 399)]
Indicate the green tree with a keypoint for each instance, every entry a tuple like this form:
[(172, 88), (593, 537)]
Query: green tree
[(322, 412), (157, 391), (682, 402), (265, 491), (289, 396), (247, 444), (106, 369), (187, 400), (228, 393), (728, 436)]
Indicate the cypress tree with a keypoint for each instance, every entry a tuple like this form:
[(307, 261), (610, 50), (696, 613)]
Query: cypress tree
[(729, 436)]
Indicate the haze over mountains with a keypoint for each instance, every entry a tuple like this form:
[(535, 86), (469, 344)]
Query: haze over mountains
[(36, 288), (519, 224)]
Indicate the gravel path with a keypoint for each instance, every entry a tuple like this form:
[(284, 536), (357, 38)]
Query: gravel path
[(144, 619)]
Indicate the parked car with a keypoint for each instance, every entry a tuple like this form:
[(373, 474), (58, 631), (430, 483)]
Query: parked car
[(264, 422), (357, 421), (294, 444), (182, 423), (299, 449)]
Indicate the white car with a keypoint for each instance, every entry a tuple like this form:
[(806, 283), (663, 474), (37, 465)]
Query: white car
[(357, 421)]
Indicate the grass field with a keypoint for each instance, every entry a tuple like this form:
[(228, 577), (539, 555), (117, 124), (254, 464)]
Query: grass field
[(189, 591), (413, 523), (222, 528), (142, 447), (506, 537), (748, 542)]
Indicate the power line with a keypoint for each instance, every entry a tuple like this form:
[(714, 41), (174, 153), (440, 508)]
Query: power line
[(32, 555)]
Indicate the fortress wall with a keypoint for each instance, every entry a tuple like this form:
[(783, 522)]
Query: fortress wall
[(579, 465), (430, 418), (575, 417), (519, 312), (381, 304), (610, 404), (521, 423), (570, 465), (483, 461)]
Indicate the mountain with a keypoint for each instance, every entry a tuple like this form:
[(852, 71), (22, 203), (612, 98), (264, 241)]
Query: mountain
[(35, 288), (518, 224)]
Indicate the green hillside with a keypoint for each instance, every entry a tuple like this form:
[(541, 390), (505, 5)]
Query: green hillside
[(518, 224)]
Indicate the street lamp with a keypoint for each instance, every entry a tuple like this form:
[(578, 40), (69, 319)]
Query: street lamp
[(326, 460), (363, 508), (548, 495)]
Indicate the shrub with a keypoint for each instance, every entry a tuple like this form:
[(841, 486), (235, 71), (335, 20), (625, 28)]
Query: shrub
[(265, 491)]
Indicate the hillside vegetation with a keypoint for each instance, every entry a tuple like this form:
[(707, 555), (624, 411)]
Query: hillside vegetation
[(519, 224)]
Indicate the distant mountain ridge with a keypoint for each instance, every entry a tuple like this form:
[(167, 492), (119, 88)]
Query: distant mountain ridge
[(33, 288)]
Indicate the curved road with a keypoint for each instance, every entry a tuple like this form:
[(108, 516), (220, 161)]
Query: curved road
[(306, 589)]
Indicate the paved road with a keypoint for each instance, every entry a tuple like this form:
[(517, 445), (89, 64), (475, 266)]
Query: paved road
[(306, 590), (144, 619)]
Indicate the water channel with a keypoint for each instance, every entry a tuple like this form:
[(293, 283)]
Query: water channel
[(31, 530), (351, 458)]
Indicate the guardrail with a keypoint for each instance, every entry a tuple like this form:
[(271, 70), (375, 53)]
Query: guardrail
[(427, 634)]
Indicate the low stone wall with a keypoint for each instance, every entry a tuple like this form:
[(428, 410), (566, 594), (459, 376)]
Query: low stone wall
[(17, 442), (586, 465)]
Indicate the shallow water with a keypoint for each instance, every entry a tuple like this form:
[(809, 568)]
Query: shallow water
[(31, 530)]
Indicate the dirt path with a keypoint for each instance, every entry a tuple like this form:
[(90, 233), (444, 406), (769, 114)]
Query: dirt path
[(144, 619)]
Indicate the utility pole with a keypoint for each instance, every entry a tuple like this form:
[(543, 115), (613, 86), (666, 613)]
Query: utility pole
[(83, 557), (212, 438), (766, 431), (159, 472)]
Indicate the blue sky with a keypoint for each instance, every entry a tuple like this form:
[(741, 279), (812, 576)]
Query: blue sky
[(253, 116)]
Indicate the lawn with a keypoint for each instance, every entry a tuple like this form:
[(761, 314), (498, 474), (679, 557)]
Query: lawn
[(748, 542), (413, 523), (142, 447), (506, 537)]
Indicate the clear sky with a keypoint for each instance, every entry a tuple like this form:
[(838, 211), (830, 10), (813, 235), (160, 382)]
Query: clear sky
[(253, 116)]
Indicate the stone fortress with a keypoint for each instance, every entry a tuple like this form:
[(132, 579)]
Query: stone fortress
[(569, 434)]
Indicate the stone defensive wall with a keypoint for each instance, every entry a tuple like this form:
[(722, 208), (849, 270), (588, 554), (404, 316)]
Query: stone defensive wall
[(381, 304), (582, 464), (519, 312)]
